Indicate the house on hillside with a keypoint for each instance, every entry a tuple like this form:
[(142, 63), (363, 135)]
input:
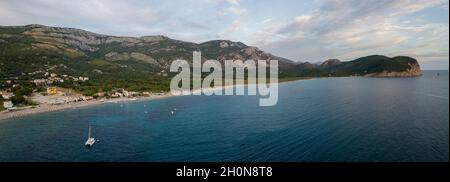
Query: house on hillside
[(7, 95), (8, 104)]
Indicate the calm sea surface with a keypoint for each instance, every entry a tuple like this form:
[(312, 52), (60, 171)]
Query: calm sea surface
[(332, 119)]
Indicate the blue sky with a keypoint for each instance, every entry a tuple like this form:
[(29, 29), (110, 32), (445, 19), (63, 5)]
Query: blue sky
[(309, 30)]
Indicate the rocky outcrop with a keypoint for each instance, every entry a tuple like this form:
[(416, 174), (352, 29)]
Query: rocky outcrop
[(413, 71), (114, 56), (156, 38), (331, 62)]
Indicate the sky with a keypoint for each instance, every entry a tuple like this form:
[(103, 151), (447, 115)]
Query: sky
[(300, 30)]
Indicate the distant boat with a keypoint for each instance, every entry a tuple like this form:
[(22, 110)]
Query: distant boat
[(172, 112), (90, 141)]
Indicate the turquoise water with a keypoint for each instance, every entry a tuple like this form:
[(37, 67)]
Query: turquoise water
[(332, 119)]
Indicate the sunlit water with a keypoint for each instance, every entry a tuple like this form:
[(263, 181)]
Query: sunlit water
[(332, 119)]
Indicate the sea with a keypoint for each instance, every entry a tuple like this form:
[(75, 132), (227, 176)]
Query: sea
[(346, 119)]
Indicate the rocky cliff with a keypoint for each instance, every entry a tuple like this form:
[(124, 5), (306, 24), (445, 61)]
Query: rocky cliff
[(413, 71)]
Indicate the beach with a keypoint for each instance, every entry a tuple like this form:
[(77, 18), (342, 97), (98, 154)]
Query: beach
[(43, 108)]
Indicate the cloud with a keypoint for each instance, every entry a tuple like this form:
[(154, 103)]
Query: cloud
[(232, 10), (221, 2), (302, 20), (267, 20), (112, 14), (353, 28), (232, 29), (313, 31), (234, 2)]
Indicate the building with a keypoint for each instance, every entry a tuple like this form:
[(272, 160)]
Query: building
[(133, 94), (8, 104), (52, 90), (100, 94), (116, 95), (126, 93), (7, 95), (87, 98), (146, 94), (39, 82), (83, 78)]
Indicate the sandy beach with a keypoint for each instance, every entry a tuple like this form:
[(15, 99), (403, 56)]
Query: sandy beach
[(43, 108)]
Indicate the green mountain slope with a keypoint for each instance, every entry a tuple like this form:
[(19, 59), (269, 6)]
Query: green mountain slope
[(33, 52)]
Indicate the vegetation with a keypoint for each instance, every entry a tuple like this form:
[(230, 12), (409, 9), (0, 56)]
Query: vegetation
[(1, 105), (24, 58), (372, 64)]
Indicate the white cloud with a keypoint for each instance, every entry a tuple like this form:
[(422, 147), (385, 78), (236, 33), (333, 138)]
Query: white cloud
[(219, 2), (350, 29), (232, 30), (233, 10), (323, 29), (267, 20), (234, 2), (302, 20), (114, 15), (414, 6)]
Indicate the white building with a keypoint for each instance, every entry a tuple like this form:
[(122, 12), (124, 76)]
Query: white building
[(39, 82), (8, 104), (126, 93)]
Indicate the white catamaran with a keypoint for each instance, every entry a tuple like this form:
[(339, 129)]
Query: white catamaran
[(90, 141)]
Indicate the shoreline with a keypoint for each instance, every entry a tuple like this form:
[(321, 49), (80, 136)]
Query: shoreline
[(46, 108)]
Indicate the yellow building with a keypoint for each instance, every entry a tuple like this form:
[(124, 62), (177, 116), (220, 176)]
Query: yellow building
[(52, 90)]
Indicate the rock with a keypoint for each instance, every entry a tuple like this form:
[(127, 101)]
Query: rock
[(223, 45), (413, 71), (114, 56), (123, 40), (153, 38), (331, 62)]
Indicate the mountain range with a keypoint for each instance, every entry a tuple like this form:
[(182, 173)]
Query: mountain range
[(30, 52)]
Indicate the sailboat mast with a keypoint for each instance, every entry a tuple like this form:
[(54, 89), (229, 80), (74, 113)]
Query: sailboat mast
[(89, 136)]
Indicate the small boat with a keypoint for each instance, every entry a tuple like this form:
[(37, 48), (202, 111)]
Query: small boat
[(172, 112), (90, 141)]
